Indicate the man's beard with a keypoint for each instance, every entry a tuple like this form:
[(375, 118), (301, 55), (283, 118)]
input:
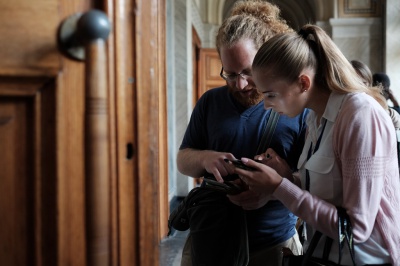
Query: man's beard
[(247, 101)]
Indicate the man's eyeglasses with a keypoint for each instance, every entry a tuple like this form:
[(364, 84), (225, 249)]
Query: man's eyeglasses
[(233, 77)]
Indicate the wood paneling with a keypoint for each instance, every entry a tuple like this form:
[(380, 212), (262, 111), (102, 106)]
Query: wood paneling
[(22, 25), (196, 47), (210, 67), (97, 156), (43, 175), (162, 120), (109, 7), (70, 99), (28, 175), (149, 74), (42, 118), (121, 61)]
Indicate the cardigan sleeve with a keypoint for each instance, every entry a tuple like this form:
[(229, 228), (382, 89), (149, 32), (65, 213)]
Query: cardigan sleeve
[(318, 213), (363, 143)]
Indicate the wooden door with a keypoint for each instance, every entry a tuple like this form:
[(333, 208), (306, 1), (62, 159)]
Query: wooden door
[(42, 163), (41, 138), (196, 48), (209, 69)]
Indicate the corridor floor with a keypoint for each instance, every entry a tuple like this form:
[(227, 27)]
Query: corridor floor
[(171, 248)]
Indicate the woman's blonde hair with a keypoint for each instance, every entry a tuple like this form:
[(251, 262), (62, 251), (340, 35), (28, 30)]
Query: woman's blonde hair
[(286, 55), (254, 20)]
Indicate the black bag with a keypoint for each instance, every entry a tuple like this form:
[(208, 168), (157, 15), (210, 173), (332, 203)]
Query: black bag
[(218, 231), (344, 234), (208, 208), (178, 219)]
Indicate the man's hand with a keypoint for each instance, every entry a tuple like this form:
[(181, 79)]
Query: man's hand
[(392, 98), (214, 163), (197, 163)]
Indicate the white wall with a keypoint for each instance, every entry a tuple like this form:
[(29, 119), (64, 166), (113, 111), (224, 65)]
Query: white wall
[(359, 39), (179, 84), (392, 46)]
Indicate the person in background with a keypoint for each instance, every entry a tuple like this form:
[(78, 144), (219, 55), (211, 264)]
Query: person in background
[(381, 79), (350, 152), (227, 123), (365, 73)]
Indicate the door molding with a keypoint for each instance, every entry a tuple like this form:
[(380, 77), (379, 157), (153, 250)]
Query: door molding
[(136, 53)]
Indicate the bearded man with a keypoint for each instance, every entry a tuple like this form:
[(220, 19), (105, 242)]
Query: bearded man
[(228, 123)]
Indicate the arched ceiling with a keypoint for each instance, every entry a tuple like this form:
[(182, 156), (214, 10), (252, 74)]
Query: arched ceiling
[(211, 10), (296, 13)]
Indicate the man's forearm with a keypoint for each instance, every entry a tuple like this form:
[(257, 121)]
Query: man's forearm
[(189, 162), (393, 99)]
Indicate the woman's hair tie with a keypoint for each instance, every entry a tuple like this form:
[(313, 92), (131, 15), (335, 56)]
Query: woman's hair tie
[(303, 34)]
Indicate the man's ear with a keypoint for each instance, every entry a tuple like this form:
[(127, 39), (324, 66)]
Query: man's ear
[(305, 82)]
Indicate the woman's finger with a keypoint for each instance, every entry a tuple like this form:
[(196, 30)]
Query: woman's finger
[(251, 163)]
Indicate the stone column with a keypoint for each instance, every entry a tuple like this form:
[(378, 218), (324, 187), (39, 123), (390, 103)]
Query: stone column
[(392, 45), (359, 38)]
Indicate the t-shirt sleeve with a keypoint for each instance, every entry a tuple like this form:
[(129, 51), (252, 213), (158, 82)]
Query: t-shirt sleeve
[(195, 134)]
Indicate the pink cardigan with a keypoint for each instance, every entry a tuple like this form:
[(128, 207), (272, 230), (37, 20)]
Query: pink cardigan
[(370, 176)]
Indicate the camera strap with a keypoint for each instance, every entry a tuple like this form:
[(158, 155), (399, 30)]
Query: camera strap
[(269, 129)]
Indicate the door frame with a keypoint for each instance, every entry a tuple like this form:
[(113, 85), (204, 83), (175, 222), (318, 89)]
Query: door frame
[(137, 78)]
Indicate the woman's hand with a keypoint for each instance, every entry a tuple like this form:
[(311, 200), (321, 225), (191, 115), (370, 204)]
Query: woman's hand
[(262, 181)]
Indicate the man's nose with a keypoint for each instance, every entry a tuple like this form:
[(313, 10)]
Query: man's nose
[(241, 82)]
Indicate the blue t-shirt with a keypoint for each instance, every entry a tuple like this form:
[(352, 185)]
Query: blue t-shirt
[(220, 123)]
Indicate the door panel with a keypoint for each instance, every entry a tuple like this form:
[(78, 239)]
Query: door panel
[(15, 228), (41, 125), (28, 34), (42, 118), (210, 67), (27, 177)]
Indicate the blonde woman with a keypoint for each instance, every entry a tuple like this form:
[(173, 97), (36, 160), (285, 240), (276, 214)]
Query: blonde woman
[(350, 152)]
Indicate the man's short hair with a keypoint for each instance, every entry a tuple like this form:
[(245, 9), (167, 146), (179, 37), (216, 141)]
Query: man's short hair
[(381, 78)]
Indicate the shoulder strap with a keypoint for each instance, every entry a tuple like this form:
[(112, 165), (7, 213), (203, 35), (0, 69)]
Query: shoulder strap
[(313, 244), (269, 130), (344, 234)]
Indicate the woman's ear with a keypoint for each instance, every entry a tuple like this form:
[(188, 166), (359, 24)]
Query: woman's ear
[(305, 82)]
